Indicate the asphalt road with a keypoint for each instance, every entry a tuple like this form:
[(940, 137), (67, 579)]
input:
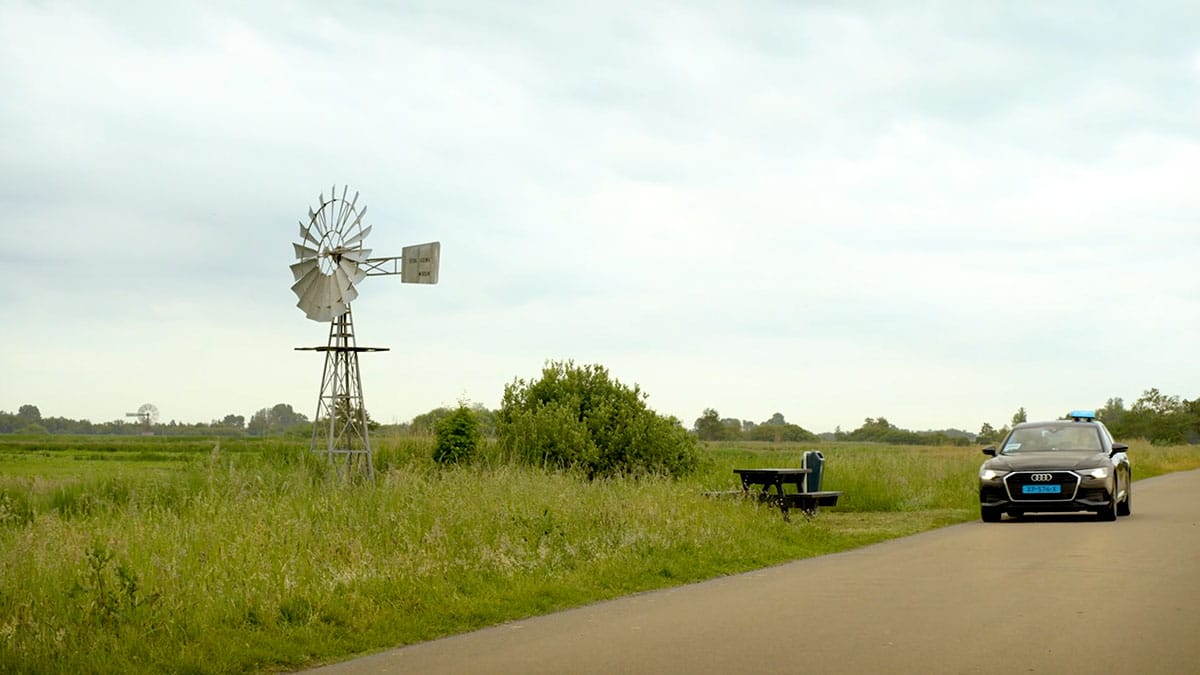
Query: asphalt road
[(1054, 594)]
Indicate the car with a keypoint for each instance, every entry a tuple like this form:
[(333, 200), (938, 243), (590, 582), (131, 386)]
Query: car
[(1057, 466)]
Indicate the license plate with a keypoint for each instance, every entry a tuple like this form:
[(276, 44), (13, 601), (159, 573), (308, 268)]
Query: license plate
[(1041, 489)]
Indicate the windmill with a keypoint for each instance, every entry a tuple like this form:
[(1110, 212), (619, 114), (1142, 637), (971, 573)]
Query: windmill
[(332, 262), (148, 414)]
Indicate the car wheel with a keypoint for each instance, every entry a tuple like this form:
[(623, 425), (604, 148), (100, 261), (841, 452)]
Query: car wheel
[(1126, 507), (990, 514), (1108, 512)]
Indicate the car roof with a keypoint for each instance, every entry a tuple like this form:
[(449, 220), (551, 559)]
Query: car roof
[(1055, 423)]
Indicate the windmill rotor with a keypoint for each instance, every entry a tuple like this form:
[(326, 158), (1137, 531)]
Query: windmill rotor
[(147, 413), (330, 256)]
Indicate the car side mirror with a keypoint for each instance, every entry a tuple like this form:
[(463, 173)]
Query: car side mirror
[(991, 450), (1118, 447)]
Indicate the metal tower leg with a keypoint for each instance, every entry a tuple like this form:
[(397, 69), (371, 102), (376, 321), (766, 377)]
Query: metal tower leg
[(340, 427)]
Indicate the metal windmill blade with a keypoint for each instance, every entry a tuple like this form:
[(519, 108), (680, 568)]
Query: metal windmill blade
[(330, 252)]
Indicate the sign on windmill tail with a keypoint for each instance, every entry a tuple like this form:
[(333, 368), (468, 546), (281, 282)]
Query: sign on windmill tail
[(332, 261), (417, 264)]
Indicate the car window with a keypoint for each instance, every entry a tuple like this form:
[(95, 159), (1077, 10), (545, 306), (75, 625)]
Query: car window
[(1080, 438), (1048, 438), (1024, 440), (1107, 435)]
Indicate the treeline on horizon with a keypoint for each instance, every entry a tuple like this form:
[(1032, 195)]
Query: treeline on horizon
[(710, 426), (1154, 416)]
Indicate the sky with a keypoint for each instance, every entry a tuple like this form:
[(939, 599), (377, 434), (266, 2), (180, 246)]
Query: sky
[(933, 212)]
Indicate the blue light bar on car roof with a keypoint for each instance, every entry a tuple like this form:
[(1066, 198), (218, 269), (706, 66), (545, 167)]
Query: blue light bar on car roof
[(1082, 415)]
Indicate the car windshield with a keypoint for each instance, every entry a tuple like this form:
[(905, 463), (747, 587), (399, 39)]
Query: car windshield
[(1049, 438)]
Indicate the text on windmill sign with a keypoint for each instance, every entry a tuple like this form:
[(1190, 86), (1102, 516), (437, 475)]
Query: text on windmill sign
[(419, 264)]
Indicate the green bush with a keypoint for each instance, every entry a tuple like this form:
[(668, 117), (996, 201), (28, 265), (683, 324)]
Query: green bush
[(456, 437), (576, 417)]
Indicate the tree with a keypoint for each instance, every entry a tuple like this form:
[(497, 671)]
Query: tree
[(33, 428), (457, 437), (578, 417), (712, 427), (1157, 402), (778, 430), (731, 428), (1155, 416), (29, 414), (781, 433), (486, 418), (236, 421), (1192, 410), (1019, 417), (879, 430), (987, 434), (8, 422), (350, 415), (282, 416), (1112, 413), (426, 423), (708, 425), (275, 420), (1160, 418)]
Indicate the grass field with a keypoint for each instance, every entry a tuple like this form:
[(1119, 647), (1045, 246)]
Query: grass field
[(166, 555)]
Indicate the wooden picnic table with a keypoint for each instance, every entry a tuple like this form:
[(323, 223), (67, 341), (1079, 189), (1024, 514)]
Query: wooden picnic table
[(779, 478)]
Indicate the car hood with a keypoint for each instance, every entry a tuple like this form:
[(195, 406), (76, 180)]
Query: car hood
[(1058, 459)]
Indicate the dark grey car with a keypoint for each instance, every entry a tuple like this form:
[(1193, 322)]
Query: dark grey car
[(1063, 465)]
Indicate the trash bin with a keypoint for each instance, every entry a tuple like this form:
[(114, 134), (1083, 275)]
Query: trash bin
[(814, 461)]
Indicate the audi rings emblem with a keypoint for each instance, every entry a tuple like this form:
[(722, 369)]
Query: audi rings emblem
[(1041, 478)]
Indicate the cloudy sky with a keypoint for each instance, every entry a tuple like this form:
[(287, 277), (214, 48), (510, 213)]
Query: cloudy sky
[(934, 212)]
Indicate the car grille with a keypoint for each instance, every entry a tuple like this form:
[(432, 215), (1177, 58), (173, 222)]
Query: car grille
[(1067, 482)]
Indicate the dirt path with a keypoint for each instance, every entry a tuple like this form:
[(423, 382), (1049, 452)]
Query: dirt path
[(1041, 595)]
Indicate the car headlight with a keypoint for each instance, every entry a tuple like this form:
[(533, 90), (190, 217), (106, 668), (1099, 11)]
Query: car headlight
[(1098, 472), (991, 474)]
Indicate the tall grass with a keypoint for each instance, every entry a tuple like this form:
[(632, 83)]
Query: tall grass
[(254, 559)]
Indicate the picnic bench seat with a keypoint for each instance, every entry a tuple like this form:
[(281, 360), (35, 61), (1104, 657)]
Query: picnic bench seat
[(805, 501)]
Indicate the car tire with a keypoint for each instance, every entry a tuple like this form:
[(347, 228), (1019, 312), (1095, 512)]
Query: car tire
[(1109, 512), (1126, 507), (989, 514)]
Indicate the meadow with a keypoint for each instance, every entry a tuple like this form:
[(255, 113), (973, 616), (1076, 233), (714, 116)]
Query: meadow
[(193, 555)]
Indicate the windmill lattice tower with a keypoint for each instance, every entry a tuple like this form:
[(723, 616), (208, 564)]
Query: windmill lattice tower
[(332, 262)]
